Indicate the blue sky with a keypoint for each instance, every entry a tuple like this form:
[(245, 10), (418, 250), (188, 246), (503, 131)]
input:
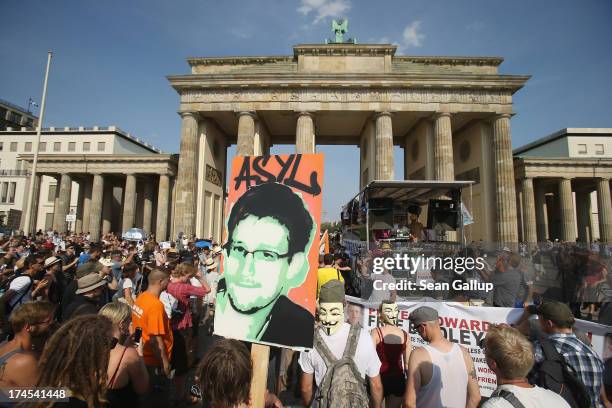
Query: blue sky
[(111, 57)]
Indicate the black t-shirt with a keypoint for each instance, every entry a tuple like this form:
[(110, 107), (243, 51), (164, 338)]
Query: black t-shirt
[(608, 377), (80, 305)]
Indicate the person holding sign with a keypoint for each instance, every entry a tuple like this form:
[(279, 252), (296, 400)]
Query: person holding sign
[(393, 348), (270, 233), (441, 373)]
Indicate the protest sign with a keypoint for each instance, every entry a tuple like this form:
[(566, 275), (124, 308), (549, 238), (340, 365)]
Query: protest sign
[(270, 260), (467, 326)]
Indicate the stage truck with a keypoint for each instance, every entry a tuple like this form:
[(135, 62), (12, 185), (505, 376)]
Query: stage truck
[(418, 224)]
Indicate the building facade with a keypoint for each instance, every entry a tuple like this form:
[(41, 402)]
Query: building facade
[(96, 176), (451, 115), (563, 186), (15, 116)]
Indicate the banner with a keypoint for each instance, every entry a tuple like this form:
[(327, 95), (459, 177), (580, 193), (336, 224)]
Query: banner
[(467, 326), (270, 259)]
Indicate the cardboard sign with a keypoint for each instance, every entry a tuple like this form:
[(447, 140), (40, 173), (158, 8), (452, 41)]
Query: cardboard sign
[(267, 291)]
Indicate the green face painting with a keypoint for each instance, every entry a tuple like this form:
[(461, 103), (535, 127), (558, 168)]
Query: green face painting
[(258, 267)]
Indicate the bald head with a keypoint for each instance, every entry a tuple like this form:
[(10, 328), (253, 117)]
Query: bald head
[(156, 276)]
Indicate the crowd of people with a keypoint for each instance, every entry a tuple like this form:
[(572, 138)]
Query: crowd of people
[(568, 272), (117, 323)]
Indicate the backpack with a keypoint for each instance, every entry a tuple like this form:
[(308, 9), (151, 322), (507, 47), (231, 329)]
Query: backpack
[(342, 385), (509, 397), (5, 307), (557, 375)]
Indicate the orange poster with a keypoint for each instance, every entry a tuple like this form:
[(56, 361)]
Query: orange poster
[(270, 257)]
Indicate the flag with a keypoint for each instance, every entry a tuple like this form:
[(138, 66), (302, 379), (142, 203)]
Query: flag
[(467, 217), (324, 244)]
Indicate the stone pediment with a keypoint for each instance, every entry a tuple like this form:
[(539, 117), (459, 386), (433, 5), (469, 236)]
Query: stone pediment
[(341, 59)]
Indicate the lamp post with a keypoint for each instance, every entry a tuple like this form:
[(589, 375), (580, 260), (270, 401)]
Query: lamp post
[(28, 210)]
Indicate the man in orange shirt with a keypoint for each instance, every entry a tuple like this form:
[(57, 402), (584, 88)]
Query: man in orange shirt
[(148, 313)]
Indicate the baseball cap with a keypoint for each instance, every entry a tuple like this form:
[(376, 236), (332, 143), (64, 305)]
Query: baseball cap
[(558, 312), (423, 314), (332, 292), (89, 282)]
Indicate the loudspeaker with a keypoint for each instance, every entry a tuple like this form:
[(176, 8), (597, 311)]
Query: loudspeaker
[(443, 215)]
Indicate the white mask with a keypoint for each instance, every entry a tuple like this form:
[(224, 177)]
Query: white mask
[(331, 316), (389, 313)]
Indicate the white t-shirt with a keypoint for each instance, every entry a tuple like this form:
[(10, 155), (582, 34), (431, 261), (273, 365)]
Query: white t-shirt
[(22, 285), (169, 301), (366, 359), (212, 278), (535, 397)]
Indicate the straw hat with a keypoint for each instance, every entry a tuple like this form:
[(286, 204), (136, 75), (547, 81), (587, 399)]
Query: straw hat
[(89, 282), (49, 262), (210, 264)]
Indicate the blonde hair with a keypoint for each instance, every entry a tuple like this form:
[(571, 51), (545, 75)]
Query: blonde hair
[(512, 352), (184, 269), (116, 312)]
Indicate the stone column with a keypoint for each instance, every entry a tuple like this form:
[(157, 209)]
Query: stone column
[(604, 208), (566, 207), (56, 202), (59, 219), (444, 167), (505, 195), (147, 209), (107, 209), (86, 203), (95, 210), (305, 133), (186, 188), (541, 214), (129, 203), (35, 200), (583, 213), (173, 231), (529, 212), (246, 134), (78, 225), (161, 231), (384, 169)]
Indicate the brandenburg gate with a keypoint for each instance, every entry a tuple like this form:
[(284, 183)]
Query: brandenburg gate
[(451, 115)]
